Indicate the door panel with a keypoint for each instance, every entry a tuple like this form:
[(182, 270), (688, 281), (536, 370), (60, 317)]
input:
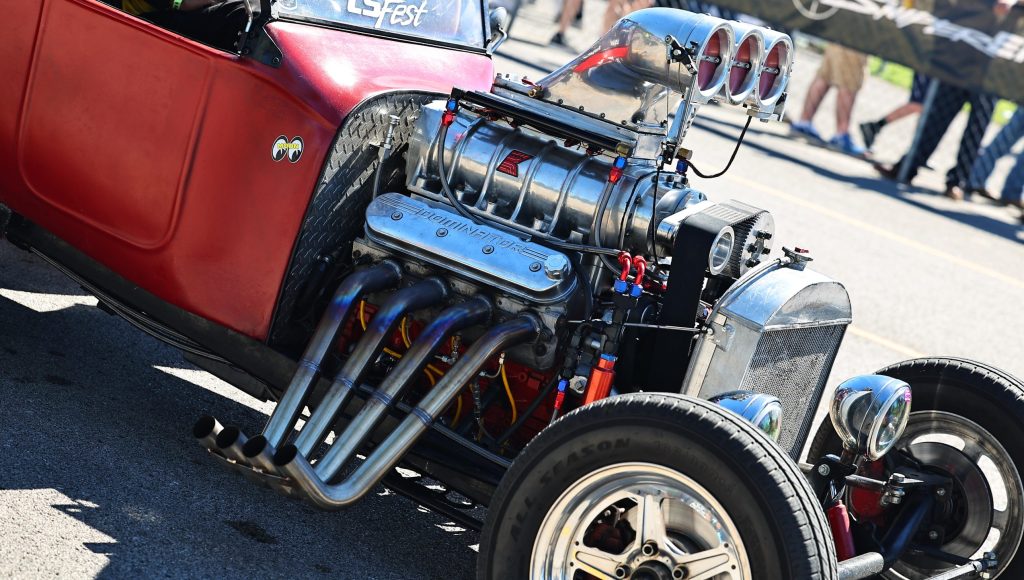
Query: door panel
[(18, 27), (153, 154), (111, 122)]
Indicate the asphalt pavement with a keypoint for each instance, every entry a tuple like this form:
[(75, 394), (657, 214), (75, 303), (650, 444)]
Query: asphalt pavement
[(99, 476)]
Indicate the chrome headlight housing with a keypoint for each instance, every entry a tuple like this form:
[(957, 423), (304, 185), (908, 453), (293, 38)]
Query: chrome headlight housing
[(870, 412), (764, 411)]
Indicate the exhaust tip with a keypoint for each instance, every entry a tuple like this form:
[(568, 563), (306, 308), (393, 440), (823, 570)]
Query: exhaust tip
[(254, 446), (205, 427), (285, 455), (228, 436)]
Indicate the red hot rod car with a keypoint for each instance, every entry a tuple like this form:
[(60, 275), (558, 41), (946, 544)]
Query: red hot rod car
[(507, 286)]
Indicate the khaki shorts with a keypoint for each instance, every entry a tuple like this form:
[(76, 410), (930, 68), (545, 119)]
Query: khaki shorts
[(843, 68)]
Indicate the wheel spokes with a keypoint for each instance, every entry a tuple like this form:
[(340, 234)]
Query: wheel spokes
[(650, 523), (594, 562), (709, 563)]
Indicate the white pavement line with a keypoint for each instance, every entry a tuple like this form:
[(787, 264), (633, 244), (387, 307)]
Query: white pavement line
[(885, 342), (881, 232)]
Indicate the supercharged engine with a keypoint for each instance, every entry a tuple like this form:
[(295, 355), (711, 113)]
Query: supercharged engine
[(544, 250), (569, 199)]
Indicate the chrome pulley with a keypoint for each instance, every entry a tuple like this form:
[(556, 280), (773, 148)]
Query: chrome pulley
[(983, 510), (638, 520)]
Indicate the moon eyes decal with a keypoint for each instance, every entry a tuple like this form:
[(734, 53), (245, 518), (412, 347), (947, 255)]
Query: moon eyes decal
[(285, 148)]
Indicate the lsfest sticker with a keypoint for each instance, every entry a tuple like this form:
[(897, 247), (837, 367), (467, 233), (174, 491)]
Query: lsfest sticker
[(285, 148)]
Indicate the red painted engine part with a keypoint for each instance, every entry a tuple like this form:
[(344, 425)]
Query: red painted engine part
[(601, 378), (839, 521)]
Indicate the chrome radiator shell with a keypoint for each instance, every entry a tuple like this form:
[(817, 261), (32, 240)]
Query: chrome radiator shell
[(776, 331), (552, 190)]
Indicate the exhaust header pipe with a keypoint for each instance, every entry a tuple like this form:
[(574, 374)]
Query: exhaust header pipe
[(384, 275), (429, 292), (260, 450), (291, 463), (472, 312)]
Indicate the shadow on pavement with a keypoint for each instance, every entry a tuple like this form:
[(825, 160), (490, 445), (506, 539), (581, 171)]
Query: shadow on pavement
[(86, 412)]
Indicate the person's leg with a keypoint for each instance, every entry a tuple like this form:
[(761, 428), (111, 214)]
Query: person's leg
[(1013, 188), (870, 130), (845, 99), (569, 10), (945, 107), (991, 153), (613, 12), (982, 106), (905, 110), (815, 94)]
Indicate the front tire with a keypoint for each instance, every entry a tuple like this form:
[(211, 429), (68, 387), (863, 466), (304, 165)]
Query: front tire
[(967, 421), (599, 493)]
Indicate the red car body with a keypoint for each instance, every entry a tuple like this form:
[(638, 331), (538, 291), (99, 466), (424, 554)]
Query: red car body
[(151, 153)]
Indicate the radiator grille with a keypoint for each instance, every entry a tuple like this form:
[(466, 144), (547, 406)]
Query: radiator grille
[(794, 365)]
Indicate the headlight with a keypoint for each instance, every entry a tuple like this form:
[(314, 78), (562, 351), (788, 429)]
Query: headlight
[(870, 412), (721, 250), (764, 411)]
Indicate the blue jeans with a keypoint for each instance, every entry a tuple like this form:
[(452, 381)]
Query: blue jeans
[(1000, 146)]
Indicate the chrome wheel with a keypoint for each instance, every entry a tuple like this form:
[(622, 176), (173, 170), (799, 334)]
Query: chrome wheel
[(984, 512), (642, 521)]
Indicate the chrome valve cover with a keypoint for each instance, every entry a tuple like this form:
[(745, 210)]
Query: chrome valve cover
[(438, 236)]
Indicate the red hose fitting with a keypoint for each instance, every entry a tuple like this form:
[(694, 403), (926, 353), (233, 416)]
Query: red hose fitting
[(640, 263), (625, 260), (839, 521)]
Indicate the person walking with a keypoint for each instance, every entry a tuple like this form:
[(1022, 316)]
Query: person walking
[(1013, 188), (948, 102), (843, 69), (869, 131)]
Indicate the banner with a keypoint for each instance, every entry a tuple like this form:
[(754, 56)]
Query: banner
[(978, 44)]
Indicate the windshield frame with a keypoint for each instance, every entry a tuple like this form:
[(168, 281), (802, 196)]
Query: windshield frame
[(282, 15)]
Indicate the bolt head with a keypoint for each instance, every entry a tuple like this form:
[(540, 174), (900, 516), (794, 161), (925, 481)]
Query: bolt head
[(556, 266), (442, 232), (621, 572), (824, 470), (396, 216), (680, 572), (649, 549), (535, 267), (941, 492), (933, 535), (488, 249)]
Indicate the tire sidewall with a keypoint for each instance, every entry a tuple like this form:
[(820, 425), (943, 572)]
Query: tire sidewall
[(729, 470)]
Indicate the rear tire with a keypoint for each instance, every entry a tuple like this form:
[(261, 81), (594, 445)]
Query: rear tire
[(618, 454), (987, 405)]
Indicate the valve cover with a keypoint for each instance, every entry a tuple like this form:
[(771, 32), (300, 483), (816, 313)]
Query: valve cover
[(480, 253)]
